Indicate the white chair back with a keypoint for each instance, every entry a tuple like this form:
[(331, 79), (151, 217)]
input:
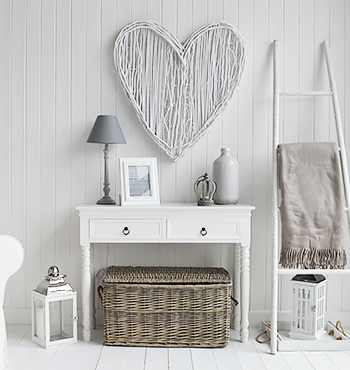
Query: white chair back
[(11, 260)]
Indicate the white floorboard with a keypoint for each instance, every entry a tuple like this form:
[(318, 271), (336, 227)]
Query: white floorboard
[(133, 359), (340, 359), (203, 359), (180, 359), (22, 354), (263, 349), (15, 334), (297, 361), (26, 355), (226, 358), (247, 355), (320, 361), (111, 355), (156, 359), (41, 359), (79, 356)]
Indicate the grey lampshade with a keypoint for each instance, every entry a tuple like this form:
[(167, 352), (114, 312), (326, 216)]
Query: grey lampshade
[(106, 130)]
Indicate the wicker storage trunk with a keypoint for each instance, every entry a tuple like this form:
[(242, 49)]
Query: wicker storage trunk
[(166, 306)]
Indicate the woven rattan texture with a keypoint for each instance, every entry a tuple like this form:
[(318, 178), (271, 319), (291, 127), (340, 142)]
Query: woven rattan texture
[(160, 274), (172, 315)]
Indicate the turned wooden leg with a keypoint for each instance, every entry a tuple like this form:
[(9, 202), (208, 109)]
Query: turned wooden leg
[(86, 291), (245, 292), (237, 286), (92, 291)]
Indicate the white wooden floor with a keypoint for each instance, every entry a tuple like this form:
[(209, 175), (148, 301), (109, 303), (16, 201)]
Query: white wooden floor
[(24, 354)]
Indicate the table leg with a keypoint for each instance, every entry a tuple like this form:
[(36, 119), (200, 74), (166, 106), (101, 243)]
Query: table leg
[(237, 285), (92, 291), (245, 292), (86, 290)]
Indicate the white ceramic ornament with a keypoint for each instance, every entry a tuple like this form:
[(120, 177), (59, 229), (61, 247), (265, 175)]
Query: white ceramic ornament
[(178, 90), (226, 177)]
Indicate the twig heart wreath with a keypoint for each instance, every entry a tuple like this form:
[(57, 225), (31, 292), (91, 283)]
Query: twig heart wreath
[(178, 90)]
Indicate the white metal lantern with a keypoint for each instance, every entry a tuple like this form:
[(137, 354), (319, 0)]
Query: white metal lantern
[(54, 311), (309, 303)]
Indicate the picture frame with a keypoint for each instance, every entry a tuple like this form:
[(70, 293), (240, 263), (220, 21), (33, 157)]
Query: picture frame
[(139, 181)]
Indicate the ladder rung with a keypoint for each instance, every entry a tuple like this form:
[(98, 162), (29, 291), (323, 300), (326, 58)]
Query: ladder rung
[(346, 209), (287, 271), (306, 93)]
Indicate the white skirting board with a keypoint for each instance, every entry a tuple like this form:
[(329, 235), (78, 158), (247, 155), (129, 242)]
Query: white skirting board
[(23, 316), (256, 317), (325, 343)]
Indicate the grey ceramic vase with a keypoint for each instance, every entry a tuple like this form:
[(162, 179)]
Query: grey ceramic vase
[(226, 177)]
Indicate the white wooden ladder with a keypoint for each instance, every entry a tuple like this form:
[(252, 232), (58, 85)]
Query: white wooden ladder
[(340, 137)]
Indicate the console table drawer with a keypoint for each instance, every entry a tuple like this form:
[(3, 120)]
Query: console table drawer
[(125, 229), (202, 229)]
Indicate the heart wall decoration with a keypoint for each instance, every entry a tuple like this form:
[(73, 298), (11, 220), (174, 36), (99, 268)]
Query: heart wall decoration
[(178, 90)]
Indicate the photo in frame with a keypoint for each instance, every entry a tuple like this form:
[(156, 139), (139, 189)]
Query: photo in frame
[(139, 181)]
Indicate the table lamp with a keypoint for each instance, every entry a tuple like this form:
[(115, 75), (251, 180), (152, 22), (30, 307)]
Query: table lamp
[(106, 130)]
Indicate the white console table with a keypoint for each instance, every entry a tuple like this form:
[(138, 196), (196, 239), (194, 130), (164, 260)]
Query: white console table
[(168, 223)]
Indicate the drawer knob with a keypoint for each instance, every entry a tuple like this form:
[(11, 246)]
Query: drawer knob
[(126, 231), (203, 231)]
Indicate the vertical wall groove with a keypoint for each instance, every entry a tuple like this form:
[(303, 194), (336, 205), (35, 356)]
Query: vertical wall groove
[(10, 116)]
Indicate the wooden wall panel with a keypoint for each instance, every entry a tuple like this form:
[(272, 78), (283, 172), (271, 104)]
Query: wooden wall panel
[(289, 125), (289, 82), (245, 103), (322, 106), (306, 69), (5, 104), (47, 135), (57, 75), (78, 132), (18, 138), (337, 45), (260, 143), (230, 13), (276, 32), (33, 268), (62, 134)]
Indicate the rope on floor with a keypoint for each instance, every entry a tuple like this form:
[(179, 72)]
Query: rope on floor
[(268, 325)]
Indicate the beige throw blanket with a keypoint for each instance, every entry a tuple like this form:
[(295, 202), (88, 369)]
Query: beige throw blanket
[(312, 207)]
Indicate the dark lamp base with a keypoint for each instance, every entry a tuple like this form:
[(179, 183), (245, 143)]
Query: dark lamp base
[(106, 200)]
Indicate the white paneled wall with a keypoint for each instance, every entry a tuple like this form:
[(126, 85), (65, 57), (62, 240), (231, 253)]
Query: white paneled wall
[(57, 75)]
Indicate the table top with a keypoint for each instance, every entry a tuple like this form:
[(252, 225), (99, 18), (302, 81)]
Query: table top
[(165, 206)]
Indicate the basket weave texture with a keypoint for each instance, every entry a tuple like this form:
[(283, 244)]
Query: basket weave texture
[(166, 306)]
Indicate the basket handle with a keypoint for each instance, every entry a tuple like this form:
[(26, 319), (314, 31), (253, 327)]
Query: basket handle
[(100, 293), (234, 302)]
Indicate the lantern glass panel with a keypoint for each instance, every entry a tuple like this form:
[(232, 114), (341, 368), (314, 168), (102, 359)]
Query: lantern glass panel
[(61, 319), (303, 309), (39, 319)]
